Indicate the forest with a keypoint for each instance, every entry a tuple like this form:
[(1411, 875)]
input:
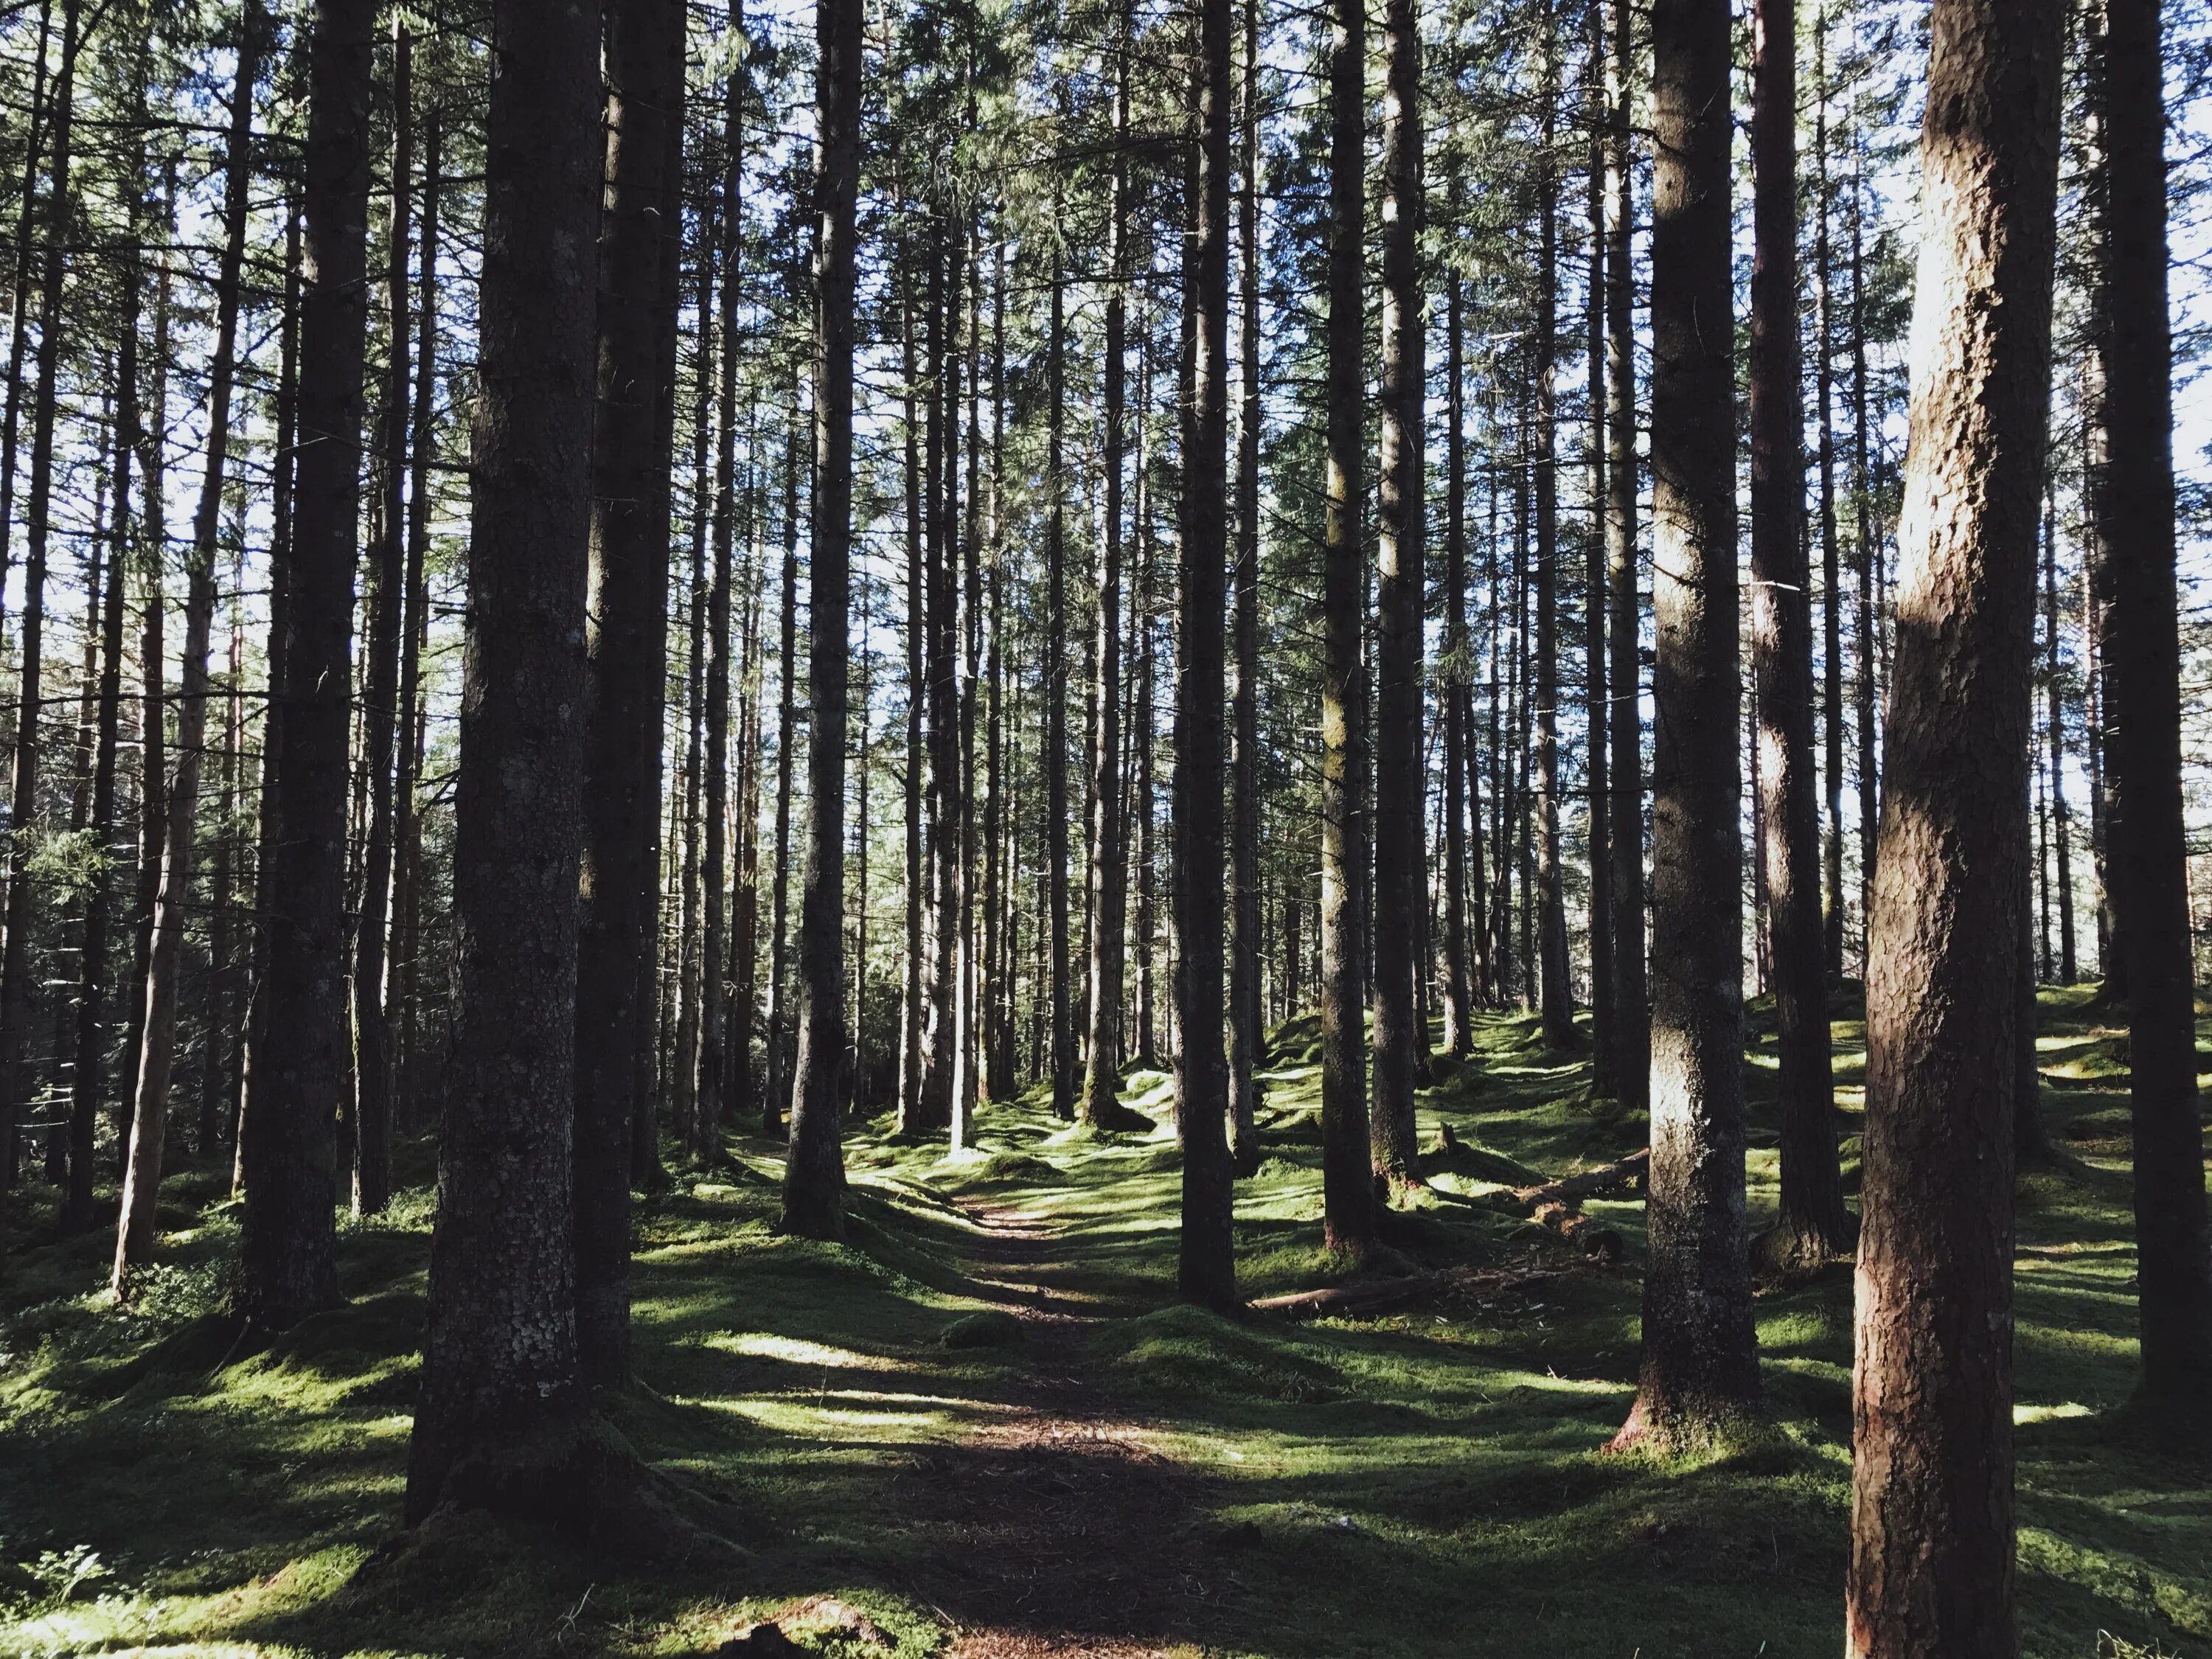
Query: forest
[(1157, 829)]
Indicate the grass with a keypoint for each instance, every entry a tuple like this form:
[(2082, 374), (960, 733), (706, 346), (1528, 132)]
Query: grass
[(1130, 1473)]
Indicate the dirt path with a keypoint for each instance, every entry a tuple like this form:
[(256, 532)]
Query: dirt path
[(1064, 1529)]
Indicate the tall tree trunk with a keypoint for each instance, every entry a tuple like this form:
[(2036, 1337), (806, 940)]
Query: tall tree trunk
[(384, 605), (503, 1399), (1459, 666), (286, 1150), (27, 244), (943, 668), (1144, 807), (1632, 1016), (910, 1004), (1347, 1186), (1699, 1370), (2133, 499), (1247, 1043), (1932, 1547), (1401, 782), (1555, 1003), (1596, 694), (2061, 824), (142, 1180), (1867, 554), (625, 658), (15, 993), (1813, 1223), (814, 1177), (1060, 993), (779, 1005), (1831, 613), (1206, 1269), (690, 980)]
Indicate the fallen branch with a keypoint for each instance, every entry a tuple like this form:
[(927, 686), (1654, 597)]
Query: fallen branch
[(1556, 1203), (1375, 1295)]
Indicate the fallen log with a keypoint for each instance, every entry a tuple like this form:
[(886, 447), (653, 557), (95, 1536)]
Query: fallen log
[(1557, 1204), (1375, 1295)]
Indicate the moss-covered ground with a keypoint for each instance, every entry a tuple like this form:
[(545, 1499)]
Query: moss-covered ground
[(984, 1427)]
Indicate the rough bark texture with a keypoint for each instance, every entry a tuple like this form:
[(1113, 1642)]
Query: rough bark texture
[(1813, 1223), (625, 659), (1246, 1040), (1061, 993), (1401, 778), (1700, 1366), (502, 1393), (287, 1148), (1555, 992), (2134, 501), (1459, 982), (1931, 1568), (1206, 1267), (814, 1177)]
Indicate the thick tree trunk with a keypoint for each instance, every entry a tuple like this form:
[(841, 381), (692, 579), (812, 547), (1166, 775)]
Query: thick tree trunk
[(502, 1399), (2133, 498), (286, 1150), (1207, 1265), (1932, 1564), (1632, 1015), (142, 1180), (1813, 1223), (1400, 781), (625, 658), (1699, 1370), (1347, 1185), (814, 1177)]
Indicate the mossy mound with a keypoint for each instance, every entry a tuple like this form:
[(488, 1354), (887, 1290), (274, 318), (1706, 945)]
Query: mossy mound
[(991, 1328)]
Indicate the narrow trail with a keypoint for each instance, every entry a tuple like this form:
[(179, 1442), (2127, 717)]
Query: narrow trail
[(1063, 1527)]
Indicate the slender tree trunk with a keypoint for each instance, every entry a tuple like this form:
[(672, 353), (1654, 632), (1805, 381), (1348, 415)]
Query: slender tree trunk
[(503, 1399), (1347, 1186), (2133, 499), (625, 658), (1458, 667), (1247, 1043), (1555, 1001), (1597, 700), (135, 1229), (1813, 1223), (26, 242), (1699, 1370), (1145, 805), (691, 986), (2061, 832), (286, 1151), (1867, 552), (1932, 1547), (1832, 612), (910, 1006), (1206, 1267), (385, 625), (1400, 783), (779, 1006), (16, 991), (814, 1177), (1631, 1017)]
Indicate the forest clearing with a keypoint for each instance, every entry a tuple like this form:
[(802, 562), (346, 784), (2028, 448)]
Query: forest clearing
[(985, 1427)]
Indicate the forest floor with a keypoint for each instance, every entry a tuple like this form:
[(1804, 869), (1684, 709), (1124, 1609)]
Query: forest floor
[(983, 1428)]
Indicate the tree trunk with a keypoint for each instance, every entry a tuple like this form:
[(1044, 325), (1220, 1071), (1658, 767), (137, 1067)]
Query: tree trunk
[(1632, 1015), (502, 1399), (690, 976), (1813, 1223), (1699, 1369), (787, 731), (814, 1177), (142, 1180), (1556, 1000), (1056, 699), (1247, 1043), (2061, 825), (1401, 782), (26, 240), (1596, 699), (1932, 1547), (385, 622), (910, 1005), (625, 658), (2133, 499), (1458, 667), (1831, 611), (286, 1150), (1347, 1185), (1207, 1265)]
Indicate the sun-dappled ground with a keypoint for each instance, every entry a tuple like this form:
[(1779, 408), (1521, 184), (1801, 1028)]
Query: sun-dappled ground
[(983, 1428)]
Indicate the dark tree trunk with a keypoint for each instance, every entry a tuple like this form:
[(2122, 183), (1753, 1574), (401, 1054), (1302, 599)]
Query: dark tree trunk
[(1813, 1223), (1866, 554), (814, 1177), (504, 1400), (2133, 499), (1831, 609), (1144, 807), (1632, 1015), (1060, 993), (1207, 1266), (1458, 667), (690, 976), (1347, 1185), (385, 625), (286, 1150), (1932, 1547), (1400, 779), (625, 658), (910, 1004), (1247, 1043), (1555, 1000), (2061, 824), (787, 730), (1699, 1370), (26, 242), (1595, 692)]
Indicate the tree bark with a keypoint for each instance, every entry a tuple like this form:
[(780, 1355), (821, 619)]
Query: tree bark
[(1596, 694), (2061, 822), (1932, 1546), (2133, 499), (1458, 671), (286, 1150), (502, 1401), (814, 1177), (1699, 1370), (786, 732), (1061, 992), (1813, 1223), (1246, 1041), (1347, 1185), (1555, 1000)]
